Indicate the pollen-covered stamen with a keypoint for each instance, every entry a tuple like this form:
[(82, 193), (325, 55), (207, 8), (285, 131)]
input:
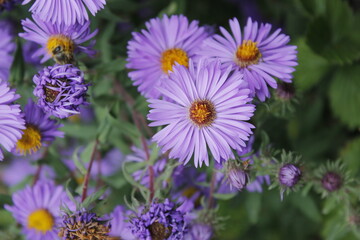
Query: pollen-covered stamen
[(171, 56), (60, 43), (30, 141), (41, 220), (50, 93), (202, 113), (159, 232), (247, 54)]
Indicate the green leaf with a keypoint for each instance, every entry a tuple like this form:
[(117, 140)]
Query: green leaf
[(311, 68), (344, 95), (253, 206), (307, 206), (78, 163), (17, 70), (350, 154), (84, 132), (93, 197), (88, 151), (224, 196)]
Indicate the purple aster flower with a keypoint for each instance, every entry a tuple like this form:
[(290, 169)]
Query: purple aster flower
[(331, 181), (40, 130), (61, 90), (37, 209), (160, 221), (58, 41), (199, 231), (289, 175), (142, 175), (259, 55), (7, 47), (20, 169), (11, 121), (29, 49), (8, 4), (84, 225), (153, 52), (204, 107), (68, 12), (120, 227), (237, 178)]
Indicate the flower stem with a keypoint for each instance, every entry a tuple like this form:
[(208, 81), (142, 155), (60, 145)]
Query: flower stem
[(212, 189), (87, 176)]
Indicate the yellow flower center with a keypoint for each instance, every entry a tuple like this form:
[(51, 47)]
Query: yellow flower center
[(202, 113), (41, 220), (247, 54), (170, 56), (30, 141)]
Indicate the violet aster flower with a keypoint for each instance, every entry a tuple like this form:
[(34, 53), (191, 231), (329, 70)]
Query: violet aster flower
[(160, 221), (40, 130), (68, 12), (331, 181), (11, 120), (237, 178), (199, 231), (120, 228), (37, 209), (29, 49), (7, 47), (58, 41), (8, 4), (61, 90), (259, 55), (84, 225), (153, 52), (289, 175), (204, 107)]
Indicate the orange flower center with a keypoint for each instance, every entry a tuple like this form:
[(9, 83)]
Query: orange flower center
[(247, 53), (30, 141), (171, 56), (202, 113)]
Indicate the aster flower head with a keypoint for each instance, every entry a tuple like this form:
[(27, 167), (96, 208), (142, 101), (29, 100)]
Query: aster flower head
[(7, 47), (260, 55), (65, 12), (205, 107), (40, 130), (159, 221), (37, 209), (60, 89), (84, 225), (58, 41), (153, 52), (289, 175), (11, 120)]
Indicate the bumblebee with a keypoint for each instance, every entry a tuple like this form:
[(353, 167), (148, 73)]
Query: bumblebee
[(61, 48)]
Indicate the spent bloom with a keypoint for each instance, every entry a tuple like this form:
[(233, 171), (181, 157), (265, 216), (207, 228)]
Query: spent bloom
[(153, 52), (11, 120), (58, 41), (289, 175), (37, 209), (159, 221), (66, 12), (84, 225), (60, 89), (204, 107), (259, 54), (7, 47), (40, 130)]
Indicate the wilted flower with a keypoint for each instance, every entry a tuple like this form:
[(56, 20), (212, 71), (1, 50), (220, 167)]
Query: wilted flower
[(84, 225), (37, 209), (58, 41), (259, 55), (204, 107), (160, 221), (153, 52), (289, 175), (61, 90), (11, 121), (65, 12), (40, 130)]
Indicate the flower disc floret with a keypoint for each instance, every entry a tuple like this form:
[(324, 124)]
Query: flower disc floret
[(61, 90)]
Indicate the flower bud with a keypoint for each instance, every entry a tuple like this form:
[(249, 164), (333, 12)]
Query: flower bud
[(289, 175), (331, 181), (237, 178)]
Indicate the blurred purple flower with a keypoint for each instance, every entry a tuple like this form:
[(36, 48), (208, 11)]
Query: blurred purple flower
[(289, 175), (120, 227), (7, 47)]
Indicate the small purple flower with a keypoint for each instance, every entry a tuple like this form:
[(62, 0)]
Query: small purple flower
[(289, 175), (204, 107), (331, 181), (120, 227), (65, 12), (199, 231), (82, 225), (37, 209), (260, 56), (153, 52), (160, 221), (40, 130), (58, 41), (7, 47), (29, 49), (11, 120), (61, 90), (237, 178)]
